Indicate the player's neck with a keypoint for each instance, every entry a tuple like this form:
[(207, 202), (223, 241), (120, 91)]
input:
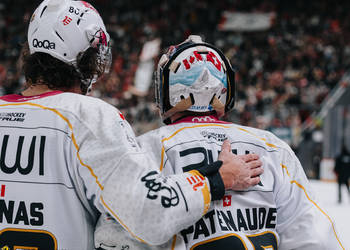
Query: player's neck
[(36, 90), (180, 115), (39, 89)]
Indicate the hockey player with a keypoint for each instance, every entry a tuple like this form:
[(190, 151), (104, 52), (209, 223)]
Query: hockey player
[(195, 87), (65, 157)]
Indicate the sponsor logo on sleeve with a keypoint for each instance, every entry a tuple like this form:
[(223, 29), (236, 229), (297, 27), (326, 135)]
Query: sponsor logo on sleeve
[(66, 20), (158, 190), (196, 181)]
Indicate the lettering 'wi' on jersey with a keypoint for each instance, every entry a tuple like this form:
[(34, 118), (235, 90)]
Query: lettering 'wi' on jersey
[(65, 158), (278, 213)]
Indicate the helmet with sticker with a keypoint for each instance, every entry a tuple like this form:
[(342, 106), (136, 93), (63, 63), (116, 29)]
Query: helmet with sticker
[(65, 30), (194, 76)]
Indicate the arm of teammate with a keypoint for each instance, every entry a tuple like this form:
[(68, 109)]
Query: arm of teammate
[(109, 234), (121, 179), (301, 223), (157, 207)]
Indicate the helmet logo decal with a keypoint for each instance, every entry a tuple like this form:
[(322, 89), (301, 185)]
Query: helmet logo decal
[(210, 57), (99, 38), (46, 44), (66, 20)]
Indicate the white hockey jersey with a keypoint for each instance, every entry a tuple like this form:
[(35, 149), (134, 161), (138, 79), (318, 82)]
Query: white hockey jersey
[(65, 158), (279, 213)]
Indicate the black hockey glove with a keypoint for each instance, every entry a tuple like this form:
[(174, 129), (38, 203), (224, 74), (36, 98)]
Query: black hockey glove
[(217, 187)]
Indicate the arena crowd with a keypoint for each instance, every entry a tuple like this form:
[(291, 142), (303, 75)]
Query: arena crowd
[(283, 73)]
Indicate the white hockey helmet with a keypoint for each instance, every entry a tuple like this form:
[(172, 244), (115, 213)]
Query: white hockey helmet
[(194, 76), (66, 28)]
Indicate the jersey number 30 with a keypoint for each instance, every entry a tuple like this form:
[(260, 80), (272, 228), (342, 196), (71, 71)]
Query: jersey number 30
[(13, 238), (262, 241)]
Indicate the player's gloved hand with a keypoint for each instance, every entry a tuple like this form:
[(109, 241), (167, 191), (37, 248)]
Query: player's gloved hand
[(239, 172)]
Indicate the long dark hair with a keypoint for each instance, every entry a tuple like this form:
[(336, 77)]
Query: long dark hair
[(42, 68)]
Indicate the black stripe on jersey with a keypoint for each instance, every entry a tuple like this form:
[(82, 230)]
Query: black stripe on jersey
[(60, 130), (182, 196), (43, 183)]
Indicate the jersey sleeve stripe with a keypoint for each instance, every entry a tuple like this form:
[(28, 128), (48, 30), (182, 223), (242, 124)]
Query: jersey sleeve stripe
[(119, 220), (283, 166), (71, 129), (173, 243), (162, 159), (261, 138), (314, 203)]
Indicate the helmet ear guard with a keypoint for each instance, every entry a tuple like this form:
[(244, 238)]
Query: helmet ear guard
[(167, 65)]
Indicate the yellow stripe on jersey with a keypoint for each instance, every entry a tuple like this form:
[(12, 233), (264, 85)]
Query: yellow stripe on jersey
[(283, 166), (314, 203), (261, 138), (70, 127), (173, 243), (120, 221)]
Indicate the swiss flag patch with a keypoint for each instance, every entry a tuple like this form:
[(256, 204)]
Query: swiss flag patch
[(226, 200)]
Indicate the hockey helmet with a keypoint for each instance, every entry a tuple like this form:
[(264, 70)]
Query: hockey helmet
[(194, 76), (65, 28)]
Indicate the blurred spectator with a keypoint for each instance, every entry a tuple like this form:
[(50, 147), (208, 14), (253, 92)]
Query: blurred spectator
[(284, 72), (342, 170)]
